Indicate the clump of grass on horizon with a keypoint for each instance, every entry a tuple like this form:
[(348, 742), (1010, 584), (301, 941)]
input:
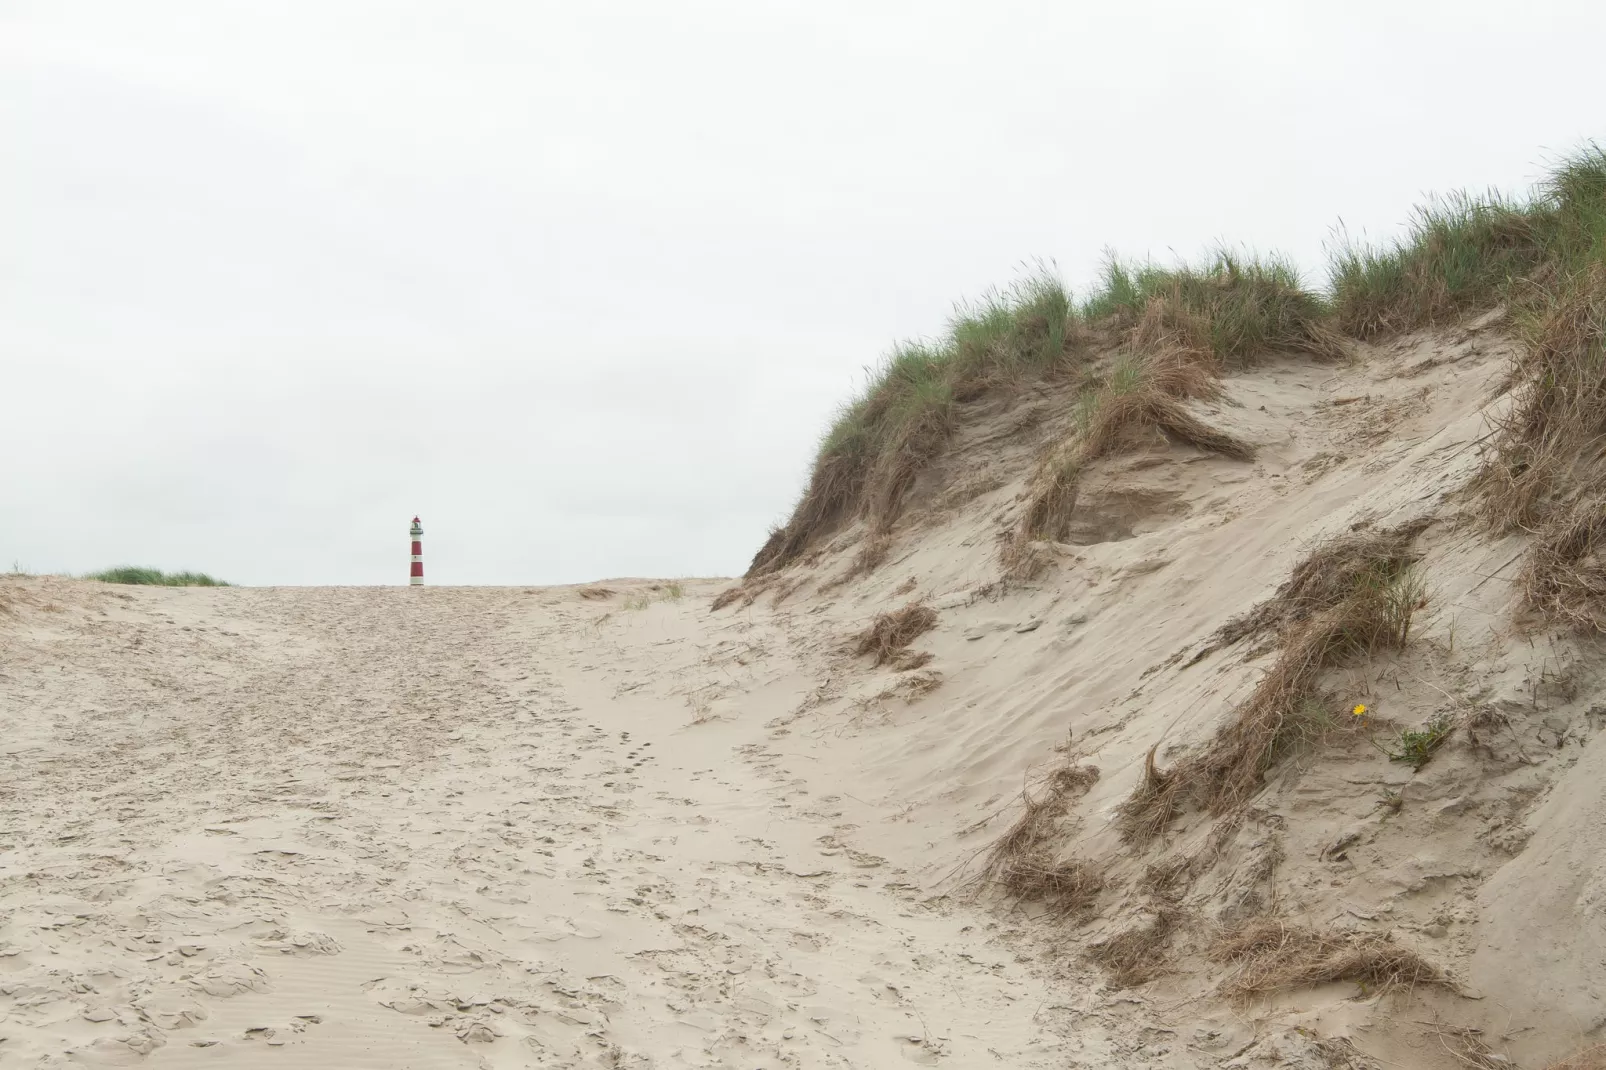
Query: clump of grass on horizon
[(155, 577), (1465, 251)]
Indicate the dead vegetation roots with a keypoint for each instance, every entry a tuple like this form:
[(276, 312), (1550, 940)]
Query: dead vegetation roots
[(890, 633), (1134, 956), (1270, 955), (1024, 865)]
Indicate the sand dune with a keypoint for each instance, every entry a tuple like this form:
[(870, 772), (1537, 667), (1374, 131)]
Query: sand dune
[(620, 827)]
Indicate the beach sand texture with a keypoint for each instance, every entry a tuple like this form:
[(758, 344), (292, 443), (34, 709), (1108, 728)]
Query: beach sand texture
[(617, 827)]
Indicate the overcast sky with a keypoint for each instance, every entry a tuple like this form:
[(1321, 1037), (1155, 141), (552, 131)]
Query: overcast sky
[(582, 283)]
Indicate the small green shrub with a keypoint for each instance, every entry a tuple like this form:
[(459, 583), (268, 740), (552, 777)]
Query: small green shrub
[(1416, 745)]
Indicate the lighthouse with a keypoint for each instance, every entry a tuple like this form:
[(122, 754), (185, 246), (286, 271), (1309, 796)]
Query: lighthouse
[(417, 577)]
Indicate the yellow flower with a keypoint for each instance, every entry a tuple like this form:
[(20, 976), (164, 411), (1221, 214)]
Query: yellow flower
[(1359, 710)]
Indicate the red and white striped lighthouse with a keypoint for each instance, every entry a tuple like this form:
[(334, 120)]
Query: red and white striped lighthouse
[(417, 577)]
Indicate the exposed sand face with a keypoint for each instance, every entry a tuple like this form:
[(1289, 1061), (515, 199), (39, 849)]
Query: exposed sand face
[(435, 827)]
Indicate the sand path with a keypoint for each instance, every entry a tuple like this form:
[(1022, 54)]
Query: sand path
[(449, 828)]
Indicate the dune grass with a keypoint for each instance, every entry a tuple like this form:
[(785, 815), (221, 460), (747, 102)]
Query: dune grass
[(1544, 254), (1139, 394), (1545, 471), (1465, 252), (890, 633), (1230, 310), (1169, 358), (901, 422), (155, 577), (1243, 307)]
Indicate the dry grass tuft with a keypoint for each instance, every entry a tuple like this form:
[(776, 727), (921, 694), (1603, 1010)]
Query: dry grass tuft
[(1133, 957), (1546, 474), (1054, 489), (1150, 807), (1564, 576), (1593, 1058), (1325, 578), (1023, 863), (1272, 955), (1023, 560), (906, 660), (891, 632), (1074, 781), (1352, 597), (1140, 396), (596, 594), (1142, 392), (1066, 887), (1548, 448), (1166, 880), (914, 686)]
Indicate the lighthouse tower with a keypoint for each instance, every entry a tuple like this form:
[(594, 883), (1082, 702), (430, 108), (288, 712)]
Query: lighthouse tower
[(417, 577)]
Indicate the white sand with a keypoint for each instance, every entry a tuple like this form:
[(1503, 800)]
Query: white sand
[(421, 828), (520, 828)]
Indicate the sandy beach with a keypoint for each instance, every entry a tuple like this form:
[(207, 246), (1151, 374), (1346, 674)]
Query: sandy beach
[(454, 828)]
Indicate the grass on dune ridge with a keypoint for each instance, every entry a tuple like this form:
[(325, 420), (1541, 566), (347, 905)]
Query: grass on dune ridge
[(1237, 308), (1242, 307), (1462, 253), (902, 419), (155, 577)]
